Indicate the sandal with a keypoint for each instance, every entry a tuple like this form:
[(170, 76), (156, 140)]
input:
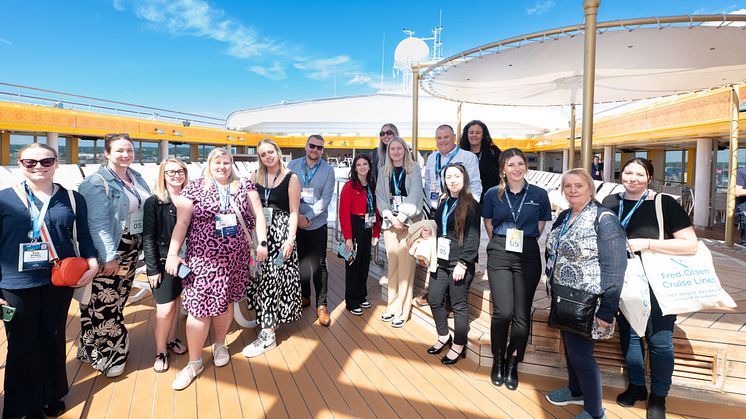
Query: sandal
[(161, 362), (177, 346)]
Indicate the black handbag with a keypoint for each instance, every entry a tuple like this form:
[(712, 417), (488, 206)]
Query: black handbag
[(573, 310)]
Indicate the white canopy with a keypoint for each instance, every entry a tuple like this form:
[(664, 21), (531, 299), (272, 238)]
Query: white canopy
[(631, 64)]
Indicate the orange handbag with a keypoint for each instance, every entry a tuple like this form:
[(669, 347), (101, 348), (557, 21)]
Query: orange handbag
[(68, 271)]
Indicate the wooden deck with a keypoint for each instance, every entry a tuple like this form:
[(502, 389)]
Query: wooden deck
[(358, 367)]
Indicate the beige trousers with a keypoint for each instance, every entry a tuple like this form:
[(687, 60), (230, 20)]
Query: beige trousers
[(401, 268)]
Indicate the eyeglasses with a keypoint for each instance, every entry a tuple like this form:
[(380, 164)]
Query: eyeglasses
[(172, 173), (315, 147), (31, 163), (382, 133)]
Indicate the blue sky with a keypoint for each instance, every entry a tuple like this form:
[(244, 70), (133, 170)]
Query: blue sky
[(216, 56)]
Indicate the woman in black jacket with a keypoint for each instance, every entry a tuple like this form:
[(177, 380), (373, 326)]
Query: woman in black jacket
[(476, 138), (158, 224)]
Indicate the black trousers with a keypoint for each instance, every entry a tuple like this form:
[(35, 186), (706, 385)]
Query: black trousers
[(513, 278), (440, 285), (312, 263), (356, 273), (35, 372)]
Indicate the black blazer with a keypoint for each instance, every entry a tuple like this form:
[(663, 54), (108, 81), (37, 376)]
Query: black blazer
[(159, 220)]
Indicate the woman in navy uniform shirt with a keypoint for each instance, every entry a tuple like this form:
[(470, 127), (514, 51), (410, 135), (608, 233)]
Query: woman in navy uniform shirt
[(514, 215)]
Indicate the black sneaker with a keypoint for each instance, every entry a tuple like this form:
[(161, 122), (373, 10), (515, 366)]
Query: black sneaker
[(631, 395), (365, 304), (357, 311)]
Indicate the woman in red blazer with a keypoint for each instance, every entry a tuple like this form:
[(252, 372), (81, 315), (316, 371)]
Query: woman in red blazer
[(361, 226)]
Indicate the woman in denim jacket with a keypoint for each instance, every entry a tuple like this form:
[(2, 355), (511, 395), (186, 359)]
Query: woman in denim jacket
[(115, 195)]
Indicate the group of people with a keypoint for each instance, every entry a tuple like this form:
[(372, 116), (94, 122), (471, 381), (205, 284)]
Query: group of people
[(216, 240)]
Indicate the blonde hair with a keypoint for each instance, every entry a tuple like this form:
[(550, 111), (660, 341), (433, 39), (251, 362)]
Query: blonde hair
[(160, 190), (217, 153), (388, 167), (504, 157), (38, 145), (261, 173), (585, 176)]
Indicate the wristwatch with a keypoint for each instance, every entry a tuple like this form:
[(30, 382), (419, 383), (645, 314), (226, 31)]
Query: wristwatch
[(263, 243)]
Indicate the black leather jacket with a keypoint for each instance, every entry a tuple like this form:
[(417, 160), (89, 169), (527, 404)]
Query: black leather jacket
[(159, 220)]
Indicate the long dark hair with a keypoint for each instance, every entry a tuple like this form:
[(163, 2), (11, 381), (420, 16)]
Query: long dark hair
[(487, 144), (504, 157), (466, 200), (645, 163), (355, 178)]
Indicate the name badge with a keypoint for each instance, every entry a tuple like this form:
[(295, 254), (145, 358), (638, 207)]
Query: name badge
[(226, 225), (134, 224), (33, 256), (370, 219), (268, 216), (444, 248), (434, 194), (514, 240), (306, 194), (396, 201)]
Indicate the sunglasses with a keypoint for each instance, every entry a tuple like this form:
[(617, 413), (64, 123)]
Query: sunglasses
[(31, 163), (315, 147), (172, 173), (382, 133)]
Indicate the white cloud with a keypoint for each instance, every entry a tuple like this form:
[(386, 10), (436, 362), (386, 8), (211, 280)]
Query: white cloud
[(118, 5), (323, 68), (734, 12), (359, 79), (274, 72), (540, 7), (5, 41)]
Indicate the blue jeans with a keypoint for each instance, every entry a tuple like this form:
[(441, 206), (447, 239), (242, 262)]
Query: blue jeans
[(742, 226), (659, 338), (584, 376)]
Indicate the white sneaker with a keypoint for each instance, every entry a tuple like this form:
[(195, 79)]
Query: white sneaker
[(263, 343), (115, 371), (220, 355), (187, 375)]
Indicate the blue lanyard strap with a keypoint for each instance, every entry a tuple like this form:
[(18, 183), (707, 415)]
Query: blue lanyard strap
[(225, 196), (565, 227), (639, 202), (307, 177), (132, 190), (370, 198), (439, 168), (37, 216), (267, 189), (397, 181), (517, 214), (446, 214)]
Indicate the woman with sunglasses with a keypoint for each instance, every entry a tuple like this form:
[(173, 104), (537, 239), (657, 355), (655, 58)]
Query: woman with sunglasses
[(32, 212), (361, 226), (118, 194), (514, 215), (158, 225), (378, 154), (399, 198), (476, 138), (458, 238)]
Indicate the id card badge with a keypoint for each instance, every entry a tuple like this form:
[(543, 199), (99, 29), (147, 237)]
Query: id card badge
[(396, 201), (444, 248), (33, 256), (306, 194), (514, 240), (230, 224), (550, 265), (134, 225), (268, 216), (434, 195), (370, 219)]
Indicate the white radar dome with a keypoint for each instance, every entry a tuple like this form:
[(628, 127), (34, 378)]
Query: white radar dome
[(409, 51)]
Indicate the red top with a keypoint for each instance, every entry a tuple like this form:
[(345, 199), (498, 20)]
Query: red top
[(353, 200)]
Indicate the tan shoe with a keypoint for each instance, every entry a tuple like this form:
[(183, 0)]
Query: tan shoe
[(323, 313), (420, 301)]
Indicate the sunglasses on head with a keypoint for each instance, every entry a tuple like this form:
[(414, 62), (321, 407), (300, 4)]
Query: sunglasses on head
[(31, 163), (315, 146), (382, 133)]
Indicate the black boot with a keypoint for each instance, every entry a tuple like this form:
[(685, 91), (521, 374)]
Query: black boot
[(498, 371), (631, 395), (656, 407), (511, 373)]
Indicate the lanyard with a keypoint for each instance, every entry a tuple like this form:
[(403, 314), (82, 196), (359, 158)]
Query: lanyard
[(518, 213), (396, 181), (37, 216), (625, 222), (225, 196), (306, 176), (370, 198), (566, 227), (132, 190), (445, 215), (479, 156), (439, 168), (267, 189)]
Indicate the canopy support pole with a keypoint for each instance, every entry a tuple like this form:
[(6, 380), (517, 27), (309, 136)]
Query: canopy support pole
[(732, 166), (589, 79), (415, 105), (571, 154)]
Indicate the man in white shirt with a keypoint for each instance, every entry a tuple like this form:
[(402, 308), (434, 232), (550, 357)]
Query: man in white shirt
[(447, 153)]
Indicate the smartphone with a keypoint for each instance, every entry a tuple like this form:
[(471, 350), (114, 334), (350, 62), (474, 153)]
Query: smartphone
[(8, 313), (183, 271)]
